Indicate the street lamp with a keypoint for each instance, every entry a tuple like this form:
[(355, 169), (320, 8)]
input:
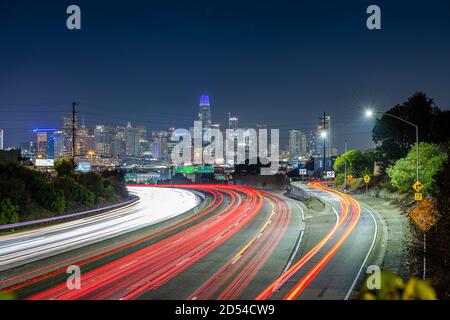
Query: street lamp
[(323, 134), (370, 113)]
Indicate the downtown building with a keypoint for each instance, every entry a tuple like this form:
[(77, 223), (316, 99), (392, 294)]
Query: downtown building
[(298, 146)]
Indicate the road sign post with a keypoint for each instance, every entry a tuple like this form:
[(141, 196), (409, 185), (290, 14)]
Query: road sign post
[(366, 181), (424, 217)]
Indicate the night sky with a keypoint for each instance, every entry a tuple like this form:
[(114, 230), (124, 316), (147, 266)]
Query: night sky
[(277, 62)]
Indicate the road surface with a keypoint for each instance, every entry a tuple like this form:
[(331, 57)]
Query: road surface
[(240, 243), (154, 205)]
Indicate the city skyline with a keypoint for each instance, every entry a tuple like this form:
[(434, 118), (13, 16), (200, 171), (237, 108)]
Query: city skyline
[(175, 53)]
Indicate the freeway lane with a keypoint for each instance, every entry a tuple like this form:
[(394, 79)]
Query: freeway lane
[(155, 205), (327, 267), (149, 268)]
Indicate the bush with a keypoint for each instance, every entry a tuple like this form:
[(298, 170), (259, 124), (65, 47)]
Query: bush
[(64, 167), (75, 192), (403, 172), (9, 213)]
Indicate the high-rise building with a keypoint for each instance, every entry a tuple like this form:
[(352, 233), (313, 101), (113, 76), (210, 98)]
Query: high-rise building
[(297, 144), (83, 140), (27, 149), (1, 139), (160, 141), (204, 114), (42, 142), (133, 144), (103, 139), (58, 141), (232, 122), (119, 141)]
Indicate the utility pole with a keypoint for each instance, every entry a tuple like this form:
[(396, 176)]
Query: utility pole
[(74, 146), (345, 163), (324, 150)]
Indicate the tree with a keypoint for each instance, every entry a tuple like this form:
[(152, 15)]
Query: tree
[(358, 163), (64, 167), (439, 235), (9, 212), (394, 137), (403, 172)]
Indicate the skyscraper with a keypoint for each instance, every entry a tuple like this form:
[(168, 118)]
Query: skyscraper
[(59, 149), (42, 142), (133, 144), (83, 140), (160, 144), (103, 138), (297, 144), (204, 114), (119, 141), (1, 139)]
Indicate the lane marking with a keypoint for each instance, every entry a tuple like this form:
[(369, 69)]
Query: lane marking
[(291, 260), (368, 253)]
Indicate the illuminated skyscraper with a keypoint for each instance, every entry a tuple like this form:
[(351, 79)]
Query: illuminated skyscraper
[(103, 139), (204, 114), (297, 144), (133, 144), (1, 139), (42, 142)]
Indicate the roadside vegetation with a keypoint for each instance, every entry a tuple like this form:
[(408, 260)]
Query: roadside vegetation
[(392, 287), (27, 194), (392, 167)]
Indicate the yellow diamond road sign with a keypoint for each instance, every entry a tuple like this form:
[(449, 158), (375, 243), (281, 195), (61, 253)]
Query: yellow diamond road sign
[(366, 179), (424, 215), (418, 186)]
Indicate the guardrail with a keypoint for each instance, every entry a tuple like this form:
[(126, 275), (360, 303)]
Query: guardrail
[(70, 215)]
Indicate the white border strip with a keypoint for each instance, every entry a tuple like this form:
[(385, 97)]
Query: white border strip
[(368, 253)]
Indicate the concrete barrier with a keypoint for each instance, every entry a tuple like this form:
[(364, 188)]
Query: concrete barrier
[(297, 192)]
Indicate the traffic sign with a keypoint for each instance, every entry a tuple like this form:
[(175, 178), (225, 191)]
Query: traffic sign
[(302, 172), (349, 177), (330, 174), (418, 186), (366, 178), (418, 196), (424, 215)]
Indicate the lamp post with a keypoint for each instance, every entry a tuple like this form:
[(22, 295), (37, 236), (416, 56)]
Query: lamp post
[(369, 114)]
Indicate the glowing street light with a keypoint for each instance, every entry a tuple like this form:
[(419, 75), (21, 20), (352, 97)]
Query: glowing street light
[(323, 134), (369, 113)]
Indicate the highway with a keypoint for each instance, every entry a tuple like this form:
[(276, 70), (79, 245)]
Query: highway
[(239, 243), (154, 205)]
